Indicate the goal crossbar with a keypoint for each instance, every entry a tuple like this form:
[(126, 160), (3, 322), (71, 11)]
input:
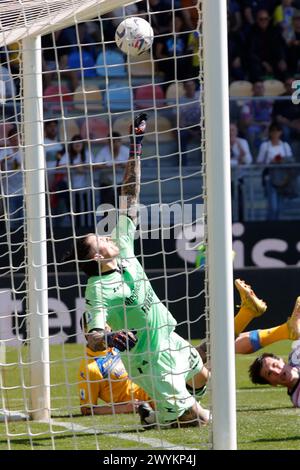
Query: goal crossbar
[(27, 18)]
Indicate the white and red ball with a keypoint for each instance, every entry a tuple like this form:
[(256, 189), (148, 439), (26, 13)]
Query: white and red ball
[(134, 36)]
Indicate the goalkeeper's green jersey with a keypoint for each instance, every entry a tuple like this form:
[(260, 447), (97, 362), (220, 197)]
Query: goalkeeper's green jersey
[(126, 300)]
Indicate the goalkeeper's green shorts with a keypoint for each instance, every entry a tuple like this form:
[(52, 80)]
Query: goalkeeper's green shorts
[(164, 379)]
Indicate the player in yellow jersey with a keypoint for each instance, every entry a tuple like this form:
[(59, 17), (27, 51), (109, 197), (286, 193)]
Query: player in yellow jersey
[(102, 376)]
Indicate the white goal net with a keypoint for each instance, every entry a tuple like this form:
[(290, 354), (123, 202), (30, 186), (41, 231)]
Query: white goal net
[(68, 97)]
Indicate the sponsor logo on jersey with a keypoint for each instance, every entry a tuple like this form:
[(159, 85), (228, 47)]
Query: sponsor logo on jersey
[(148, 300), (82, 394), (111, 364)]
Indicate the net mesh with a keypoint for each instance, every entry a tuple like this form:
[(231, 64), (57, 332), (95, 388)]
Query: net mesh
[(91, 95), (24, 18)]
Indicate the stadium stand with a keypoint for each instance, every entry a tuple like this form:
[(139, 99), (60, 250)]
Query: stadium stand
[(149, 96), (88, 99), (273, 87), (240, 88)]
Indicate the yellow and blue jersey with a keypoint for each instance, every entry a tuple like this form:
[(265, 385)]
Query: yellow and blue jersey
[(102, 375)]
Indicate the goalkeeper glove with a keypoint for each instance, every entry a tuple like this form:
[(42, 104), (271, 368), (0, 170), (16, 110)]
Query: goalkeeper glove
[(139, 129), (122, 340)]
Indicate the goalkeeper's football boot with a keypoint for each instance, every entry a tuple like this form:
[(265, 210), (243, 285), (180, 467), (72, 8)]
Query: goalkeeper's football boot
[(293, 322), (147, 415), (249, 299)]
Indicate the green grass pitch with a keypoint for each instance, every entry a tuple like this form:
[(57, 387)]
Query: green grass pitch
[(266, 419)]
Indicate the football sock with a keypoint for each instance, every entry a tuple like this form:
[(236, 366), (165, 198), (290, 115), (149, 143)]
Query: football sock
[(261, 338), (242, 319)]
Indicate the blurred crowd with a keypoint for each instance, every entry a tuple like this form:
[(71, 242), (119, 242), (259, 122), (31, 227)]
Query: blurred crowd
[(263, 47)]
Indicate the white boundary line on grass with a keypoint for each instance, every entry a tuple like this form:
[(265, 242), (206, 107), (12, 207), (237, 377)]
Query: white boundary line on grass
[(152, 442), (260, 390), (12, 416)]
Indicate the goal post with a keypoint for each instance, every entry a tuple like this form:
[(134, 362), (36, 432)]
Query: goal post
[(219, 225), (38, 327), (91, 112)]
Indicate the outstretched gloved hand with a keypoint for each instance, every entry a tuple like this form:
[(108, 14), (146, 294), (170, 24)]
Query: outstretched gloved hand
[(136, 137)]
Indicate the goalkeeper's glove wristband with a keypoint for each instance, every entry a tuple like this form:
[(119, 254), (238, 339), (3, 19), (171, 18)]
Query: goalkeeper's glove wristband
[(122, 340), (139, 130)]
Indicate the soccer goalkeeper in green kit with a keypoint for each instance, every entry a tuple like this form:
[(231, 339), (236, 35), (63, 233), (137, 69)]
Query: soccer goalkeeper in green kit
[(118, 293)]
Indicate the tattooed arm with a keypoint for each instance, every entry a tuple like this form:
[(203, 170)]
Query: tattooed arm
[(130, 191)]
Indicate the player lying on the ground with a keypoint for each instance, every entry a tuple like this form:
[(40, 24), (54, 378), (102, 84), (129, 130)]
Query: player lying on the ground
[(251, 307), (119, 293), (273, 370), (102, 376), (269, 368)]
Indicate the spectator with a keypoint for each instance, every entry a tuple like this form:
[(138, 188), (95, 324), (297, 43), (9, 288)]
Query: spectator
[(6, 78), (265, 47), (277, 181), (193, 45), (235, 110), (107, 29), (159, 15), (12, 182), (235, 16), (283, 17), (83, 57), (189, 116), (235, 53), (56, 48), (85, 33), (190, 14), (294, 46), (93, 29), (117, 14), (287, 114), (239, 148), (256, 117), (239, 155), (252, 7), (78, 161), (58, 45), (53, 150), (10, 58), (173, 47), (111, 161), (7, 93)]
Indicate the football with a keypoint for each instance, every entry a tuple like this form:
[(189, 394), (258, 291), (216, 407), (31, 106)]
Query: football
[(134, 36)]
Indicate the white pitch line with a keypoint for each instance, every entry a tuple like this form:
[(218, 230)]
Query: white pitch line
[(252, 390), (74, 427)]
